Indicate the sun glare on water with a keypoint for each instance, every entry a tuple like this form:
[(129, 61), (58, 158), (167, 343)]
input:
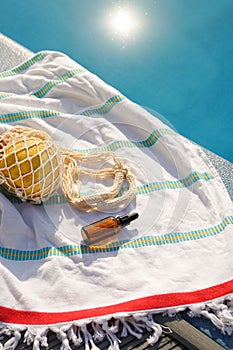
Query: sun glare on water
[(123, 23)]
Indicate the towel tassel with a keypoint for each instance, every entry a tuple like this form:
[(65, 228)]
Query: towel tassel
[(113, 328)]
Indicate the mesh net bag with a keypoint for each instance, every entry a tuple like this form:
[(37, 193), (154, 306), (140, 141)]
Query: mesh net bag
[(33, 168), (30, 164)]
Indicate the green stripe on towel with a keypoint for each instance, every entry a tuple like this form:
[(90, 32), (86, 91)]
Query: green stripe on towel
[(6, 94), (115, 145), (157, 240), (140, 190), (164, 185), (108, 105), (48, 86), (17, 116), (24, 66)]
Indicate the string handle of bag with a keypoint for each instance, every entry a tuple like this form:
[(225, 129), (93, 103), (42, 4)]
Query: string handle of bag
[(32, 167), (102, 201)]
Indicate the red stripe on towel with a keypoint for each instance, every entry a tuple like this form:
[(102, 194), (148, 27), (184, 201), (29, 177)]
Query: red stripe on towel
[(161, 301)]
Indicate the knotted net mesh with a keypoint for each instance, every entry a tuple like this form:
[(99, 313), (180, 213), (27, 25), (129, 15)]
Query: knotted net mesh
[(30, 164), (33, 168)]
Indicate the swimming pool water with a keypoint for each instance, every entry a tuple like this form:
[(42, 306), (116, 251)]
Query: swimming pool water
[(177, 60)]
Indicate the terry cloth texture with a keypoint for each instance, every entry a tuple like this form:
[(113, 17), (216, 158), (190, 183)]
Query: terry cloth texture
[(177, 255)]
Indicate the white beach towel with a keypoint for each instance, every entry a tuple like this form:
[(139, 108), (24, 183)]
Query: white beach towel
[(177, 255)]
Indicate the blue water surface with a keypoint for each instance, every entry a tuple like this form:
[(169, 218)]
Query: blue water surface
[(177, 60)]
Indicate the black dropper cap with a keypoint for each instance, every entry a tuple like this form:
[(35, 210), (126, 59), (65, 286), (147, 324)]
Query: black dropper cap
[(126, 219)]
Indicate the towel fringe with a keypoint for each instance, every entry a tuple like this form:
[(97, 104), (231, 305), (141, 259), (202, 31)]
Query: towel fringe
[(90, 333), (80, 332), (13, 342), (219, 312)]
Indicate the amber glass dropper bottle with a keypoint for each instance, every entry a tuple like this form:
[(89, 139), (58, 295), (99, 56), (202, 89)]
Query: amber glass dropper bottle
[(101, 232)]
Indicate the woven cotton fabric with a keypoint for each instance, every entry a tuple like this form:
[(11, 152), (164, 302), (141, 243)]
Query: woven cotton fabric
[(177, 255)]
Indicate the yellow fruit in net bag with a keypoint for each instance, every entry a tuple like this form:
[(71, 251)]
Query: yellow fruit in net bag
[(30, 167)]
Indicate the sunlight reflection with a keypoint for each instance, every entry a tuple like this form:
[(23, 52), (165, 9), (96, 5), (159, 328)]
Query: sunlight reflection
[(124, 23)]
